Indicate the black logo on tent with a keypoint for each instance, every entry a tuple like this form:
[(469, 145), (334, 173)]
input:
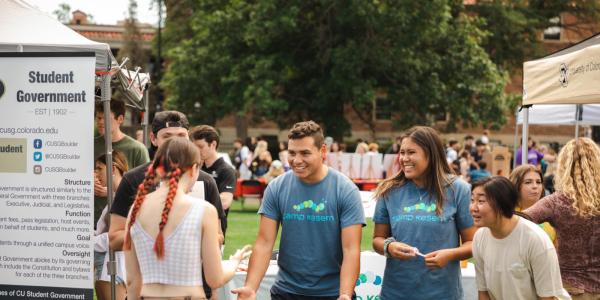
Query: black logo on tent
[(1, 88), (563, 76)]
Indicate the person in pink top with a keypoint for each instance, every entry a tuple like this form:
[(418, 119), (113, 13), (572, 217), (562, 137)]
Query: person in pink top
[(574, 212)]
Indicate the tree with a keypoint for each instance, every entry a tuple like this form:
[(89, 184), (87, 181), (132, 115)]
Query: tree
[(516, 26), (295, 60), (63, 13), (132, 46), (133, 39)]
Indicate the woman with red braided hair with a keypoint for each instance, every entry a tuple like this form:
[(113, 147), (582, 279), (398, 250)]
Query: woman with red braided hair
[(171, 235)]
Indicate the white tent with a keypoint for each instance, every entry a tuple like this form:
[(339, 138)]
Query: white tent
[(562, 114), (569, 76), (23, 28)]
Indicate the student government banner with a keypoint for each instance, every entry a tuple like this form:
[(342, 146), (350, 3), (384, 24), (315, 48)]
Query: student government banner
[(46, 175)]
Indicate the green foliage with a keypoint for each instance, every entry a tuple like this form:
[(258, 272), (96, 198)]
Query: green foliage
[(516, 26), (63, 13), (295, 60), (132, 45)]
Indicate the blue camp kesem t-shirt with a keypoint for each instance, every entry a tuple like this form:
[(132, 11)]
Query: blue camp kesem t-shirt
[(312, 217), (410, 212)]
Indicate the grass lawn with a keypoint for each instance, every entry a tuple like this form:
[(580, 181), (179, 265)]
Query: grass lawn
[(242, 227)]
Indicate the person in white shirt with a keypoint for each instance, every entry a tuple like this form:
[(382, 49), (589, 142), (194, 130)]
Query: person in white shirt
[(514, 258), (452, 151)]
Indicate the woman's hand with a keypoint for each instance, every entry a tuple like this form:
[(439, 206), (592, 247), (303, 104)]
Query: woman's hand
[(401, 251), (99, 189), (438, 259), (241, 254)]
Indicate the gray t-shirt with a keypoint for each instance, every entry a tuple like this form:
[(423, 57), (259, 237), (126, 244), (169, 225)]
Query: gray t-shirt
[(312, 217), (410, 212)]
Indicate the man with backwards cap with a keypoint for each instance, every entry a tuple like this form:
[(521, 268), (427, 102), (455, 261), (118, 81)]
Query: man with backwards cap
[(166, 124)]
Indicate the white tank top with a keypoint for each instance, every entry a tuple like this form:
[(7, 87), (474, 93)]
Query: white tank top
[(182, 263)]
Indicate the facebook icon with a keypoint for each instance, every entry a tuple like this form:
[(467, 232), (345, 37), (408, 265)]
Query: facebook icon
[(37, 144)]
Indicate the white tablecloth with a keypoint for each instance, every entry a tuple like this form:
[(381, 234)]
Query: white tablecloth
[(368, 203), (372, 266)]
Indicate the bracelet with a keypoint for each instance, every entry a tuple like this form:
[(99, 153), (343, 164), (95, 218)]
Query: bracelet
[(386, 244)]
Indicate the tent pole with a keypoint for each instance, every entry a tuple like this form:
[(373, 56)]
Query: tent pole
[(524, 150), (516, 143), (578, 115), (105, 99), (146, 111)]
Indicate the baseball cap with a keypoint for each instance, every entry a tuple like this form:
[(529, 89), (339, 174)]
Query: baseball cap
[(169, 118)]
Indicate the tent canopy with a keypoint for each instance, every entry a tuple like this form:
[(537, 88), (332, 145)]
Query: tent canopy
[(569, 76), (562, 114), (23, 28)]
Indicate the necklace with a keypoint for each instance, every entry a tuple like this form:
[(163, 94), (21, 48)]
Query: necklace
[(422, 195)]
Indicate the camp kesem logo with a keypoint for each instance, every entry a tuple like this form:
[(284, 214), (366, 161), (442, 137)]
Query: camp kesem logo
[(563, 76), (370, 278), (1, 89), (309, 204)]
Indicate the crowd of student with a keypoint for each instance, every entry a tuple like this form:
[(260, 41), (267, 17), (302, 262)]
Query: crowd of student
[(427, 219), (253, 160)]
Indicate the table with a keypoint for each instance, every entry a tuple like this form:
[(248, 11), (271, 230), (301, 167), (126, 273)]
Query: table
[(258, 187), (368, 203), (367, 184), (372, 266)]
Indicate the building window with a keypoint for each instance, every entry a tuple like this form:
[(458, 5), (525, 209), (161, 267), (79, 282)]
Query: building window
[(553, 32), (441, 117), (383, 108)]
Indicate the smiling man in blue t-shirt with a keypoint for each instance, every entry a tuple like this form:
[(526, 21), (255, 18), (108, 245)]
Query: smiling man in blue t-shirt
[(321, 217)]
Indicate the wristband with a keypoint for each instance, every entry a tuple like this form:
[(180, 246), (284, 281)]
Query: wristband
[(386, 244)]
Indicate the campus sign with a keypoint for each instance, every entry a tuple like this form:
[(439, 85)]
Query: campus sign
[(46, 175)]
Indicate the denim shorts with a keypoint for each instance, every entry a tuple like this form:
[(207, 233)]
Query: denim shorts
[(99, 265)]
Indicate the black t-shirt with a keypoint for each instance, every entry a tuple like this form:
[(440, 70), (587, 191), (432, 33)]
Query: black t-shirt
[(224, 175), (131, 180)]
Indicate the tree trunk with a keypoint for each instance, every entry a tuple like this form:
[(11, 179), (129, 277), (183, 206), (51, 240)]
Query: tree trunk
[(241, 126)]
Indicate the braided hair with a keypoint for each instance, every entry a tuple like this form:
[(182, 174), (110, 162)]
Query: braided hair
[(143, 188), (173, 158)]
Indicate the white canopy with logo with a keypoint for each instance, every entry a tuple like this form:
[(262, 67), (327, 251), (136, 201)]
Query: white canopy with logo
[(569, 76)]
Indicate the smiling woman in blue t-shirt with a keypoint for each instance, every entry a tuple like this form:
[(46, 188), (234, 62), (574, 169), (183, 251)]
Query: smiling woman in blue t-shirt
[(421, 216)]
